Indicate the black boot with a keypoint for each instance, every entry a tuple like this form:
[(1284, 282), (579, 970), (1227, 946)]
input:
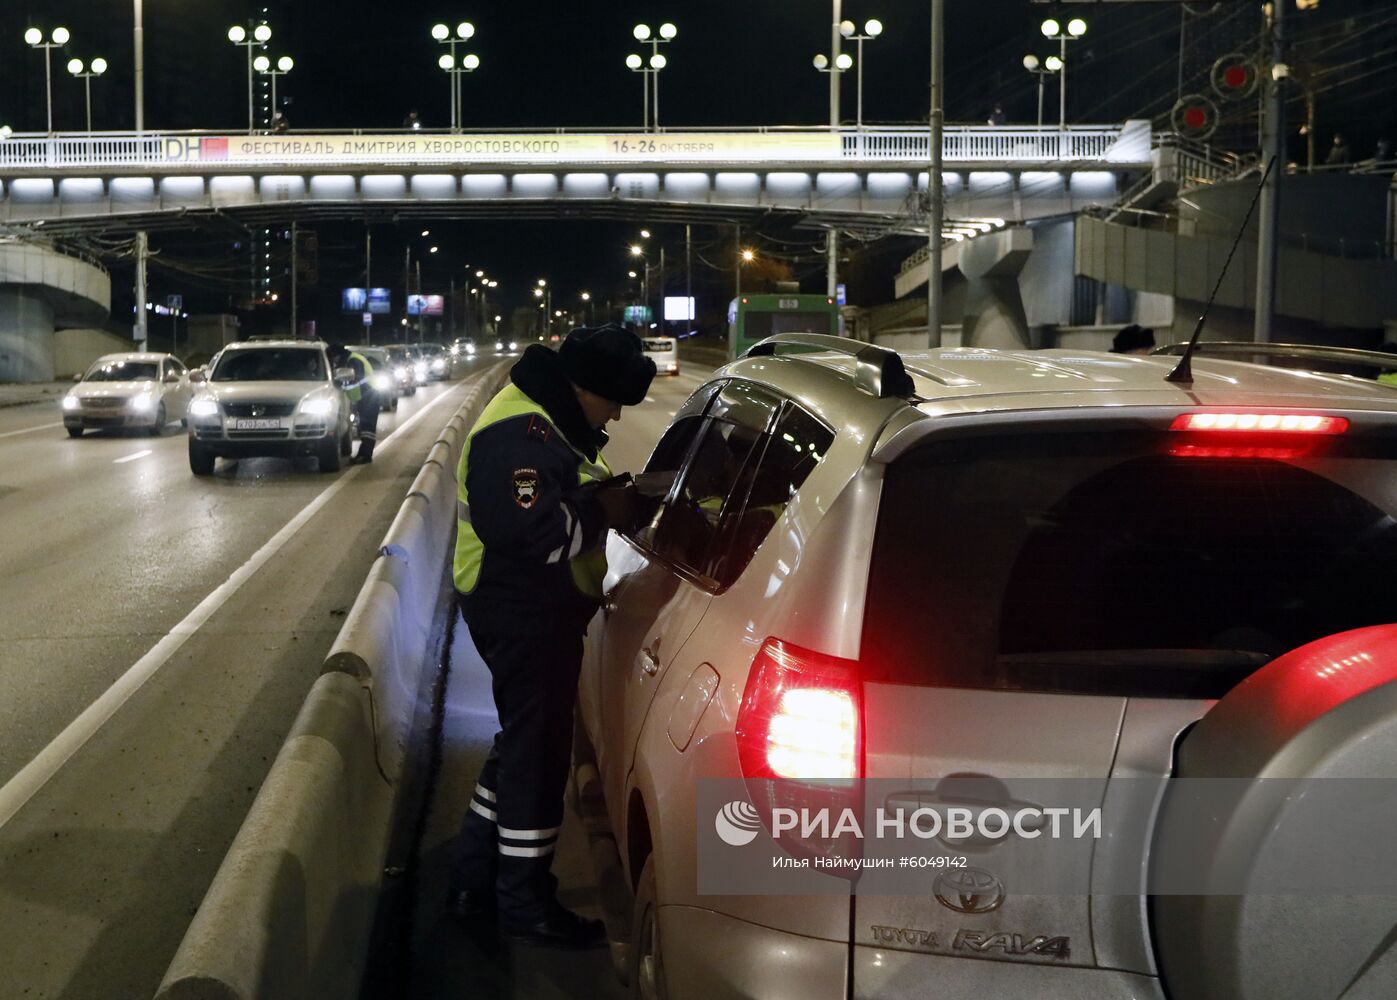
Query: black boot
[(559, 928)]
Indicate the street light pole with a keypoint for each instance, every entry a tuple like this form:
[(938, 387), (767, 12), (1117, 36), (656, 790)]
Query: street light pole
[(935, 192), (260, 36), (1273, 153), (1054, 32), (871, 30), (834, 37), (57, 39), (85, 74), (139, 42)]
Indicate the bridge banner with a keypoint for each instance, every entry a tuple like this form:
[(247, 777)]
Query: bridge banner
[(467, 149)]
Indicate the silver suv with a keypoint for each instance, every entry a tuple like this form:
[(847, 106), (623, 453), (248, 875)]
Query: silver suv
[(1006, 566), (274, 398)]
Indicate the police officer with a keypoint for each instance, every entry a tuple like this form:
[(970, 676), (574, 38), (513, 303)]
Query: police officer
[(533, 509), (362, 396)]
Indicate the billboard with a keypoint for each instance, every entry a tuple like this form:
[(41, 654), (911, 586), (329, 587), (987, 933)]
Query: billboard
[(354, 300), (425, 305), (679, 308), (380, 302), (638, 314)]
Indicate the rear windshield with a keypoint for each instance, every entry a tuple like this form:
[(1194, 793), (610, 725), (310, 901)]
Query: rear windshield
[(757, 325), (1099, 563), (658, 346), (271, 364), (121, 371)]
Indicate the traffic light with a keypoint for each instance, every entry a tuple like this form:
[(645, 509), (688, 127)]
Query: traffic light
[(1234, 77), (307, 256), (1195, 117)]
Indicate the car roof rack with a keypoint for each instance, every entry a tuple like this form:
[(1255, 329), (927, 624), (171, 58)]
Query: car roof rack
[(1312, 352), (879, 371)]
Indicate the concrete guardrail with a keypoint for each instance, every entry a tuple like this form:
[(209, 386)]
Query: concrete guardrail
[(291, 909)]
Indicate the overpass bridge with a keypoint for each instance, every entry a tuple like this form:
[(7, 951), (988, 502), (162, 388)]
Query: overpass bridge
[(855, 178)]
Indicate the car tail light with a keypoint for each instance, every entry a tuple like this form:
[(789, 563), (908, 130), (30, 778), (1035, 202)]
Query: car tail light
[(1261, 423), (801, 717)]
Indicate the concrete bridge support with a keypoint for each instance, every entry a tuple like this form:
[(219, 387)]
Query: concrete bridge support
[(41, 291), (994, 308)]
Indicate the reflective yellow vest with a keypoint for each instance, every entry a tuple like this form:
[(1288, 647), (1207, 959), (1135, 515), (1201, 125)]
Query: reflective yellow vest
[(356, 391), (588, 568)]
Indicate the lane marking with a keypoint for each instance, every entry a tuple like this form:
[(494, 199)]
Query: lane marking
[(31, 430), (132, 458), (28, 780)]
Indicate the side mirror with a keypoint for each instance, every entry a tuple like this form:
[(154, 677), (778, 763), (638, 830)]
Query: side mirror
[(344, 374), (197, 376), (172, 377), (77, 377)]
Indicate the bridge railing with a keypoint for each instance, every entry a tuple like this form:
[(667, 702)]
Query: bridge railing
[(963, 143)]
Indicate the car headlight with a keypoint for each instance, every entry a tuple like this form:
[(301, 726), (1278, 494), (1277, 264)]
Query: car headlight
[(439, 364), (421, 368), (142, 401), (513, 346), (470, 348), (203, 408), (317, 406), (71, 403), (382, 383), (400, 372)]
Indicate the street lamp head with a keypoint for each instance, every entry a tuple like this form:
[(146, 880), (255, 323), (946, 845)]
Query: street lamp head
[(480, 274), (542, 283), (1030, 63), (261, 64), (873, 28), (60, 36), (641, 32), (1053, 64), (645, 234), (465, 30), (844, 61), (440, 32), (634, 61), (1051, 29), (99, 66), (237, 34), (433, 249), (285, 64), (658, 61), (636, 251), (538, 293), (821, 61), (631, 274), (586, 296), (471, 62), (748, 256), (445, 61), (33, 36), (668, 31), (1076, 27), (494, 284), (263, 33), (848, 28), (75, 66)]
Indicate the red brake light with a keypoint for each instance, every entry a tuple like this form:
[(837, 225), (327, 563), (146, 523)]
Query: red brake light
[(1270, 423), (801, 716)]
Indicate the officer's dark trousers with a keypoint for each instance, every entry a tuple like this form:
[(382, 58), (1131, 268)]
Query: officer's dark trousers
[(368, 422), (511, 828)]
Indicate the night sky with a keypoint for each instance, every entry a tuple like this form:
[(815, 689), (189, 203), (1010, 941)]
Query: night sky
[(735, 62)]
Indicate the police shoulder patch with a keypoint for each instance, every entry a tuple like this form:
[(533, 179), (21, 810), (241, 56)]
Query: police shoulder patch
[(525, 484)]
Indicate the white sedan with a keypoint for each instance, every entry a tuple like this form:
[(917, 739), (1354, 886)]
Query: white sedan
[(141, 390)]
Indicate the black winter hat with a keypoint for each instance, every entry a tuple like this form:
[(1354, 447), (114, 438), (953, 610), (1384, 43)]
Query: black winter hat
[(607, 360), (1132, 338)]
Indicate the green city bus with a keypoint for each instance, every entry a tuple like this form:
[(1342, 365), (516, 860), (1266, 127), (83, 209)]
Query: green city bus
[(754, 317)]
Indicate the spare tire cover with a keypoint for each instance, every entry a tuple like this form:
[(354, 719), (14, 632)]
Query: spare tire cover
[(1325, 710)]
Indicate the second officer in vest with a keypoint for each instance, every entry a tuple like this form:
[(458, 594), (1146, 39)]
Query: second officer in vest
[(532, 515)]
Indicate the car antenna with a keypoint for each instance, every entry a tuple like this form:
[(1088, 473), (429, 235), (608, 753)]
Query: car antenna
[(1183, 371)]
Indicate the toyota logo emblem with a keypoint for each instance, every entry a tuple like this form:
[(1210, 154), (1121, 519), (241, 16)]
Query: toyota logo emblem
[(969, 890)]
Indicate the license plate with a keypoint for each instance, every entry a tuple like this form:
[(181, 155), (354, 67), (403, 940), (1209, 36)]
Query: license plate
[(265, 424)]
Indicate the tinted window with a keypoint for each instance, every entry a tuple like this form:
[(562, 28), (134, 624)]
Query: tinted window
[(688, 523), (757, 325), (174, 365), (271, 364), (788, 456), (1100, 563), (121, 371)]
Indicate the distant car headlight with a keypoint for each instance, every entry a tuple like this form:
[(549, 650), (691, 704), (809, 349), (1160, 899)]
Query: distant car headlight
[(382, 383), (317, 406), (203, 408), (455, 349), (142, 401), (72, 403), (499, 345), (513, 346), (400, 372), (420, 368), (470, 348), (439, 364)]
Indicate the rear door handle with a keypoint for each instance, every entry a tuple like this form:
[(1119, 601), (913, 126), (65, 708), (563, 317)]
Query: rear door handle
[(649, 662)]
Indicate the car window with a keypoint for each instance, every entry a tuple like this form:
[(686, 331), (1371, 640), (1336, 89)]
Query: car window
[(787, 457), (687, 523), (121, 371), (174, 365), (271, 364), (1105, 563)]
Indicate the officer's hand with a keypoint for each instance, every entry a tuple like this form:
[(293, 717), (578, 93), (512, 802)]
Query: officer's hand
[(620, 505)]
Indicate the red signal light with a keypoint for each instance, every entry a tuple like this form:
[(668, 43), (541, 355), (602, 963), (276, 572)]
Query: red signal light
[(1260, 422)]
